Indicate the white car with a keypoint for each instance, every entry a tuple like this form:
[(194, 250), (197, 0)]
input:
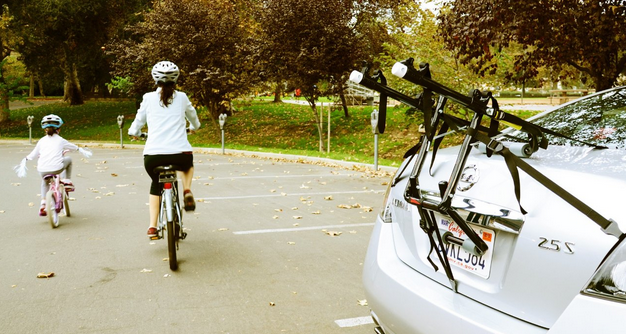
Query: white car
[(550, 266)]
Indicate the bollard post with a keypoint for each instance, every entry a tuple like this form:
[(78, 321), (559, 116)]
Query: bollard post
[(29, 120), (375, 131), (120, 123), (222, 120)]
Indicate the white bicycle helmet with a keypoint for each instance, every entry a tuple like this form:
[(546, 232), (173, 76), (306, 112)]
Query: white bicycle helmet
[(165, 71), (51, 121)]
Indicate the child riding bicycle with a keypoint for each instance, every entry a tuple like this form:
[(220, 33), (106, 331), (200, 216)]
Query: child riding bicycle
[(50, 151)]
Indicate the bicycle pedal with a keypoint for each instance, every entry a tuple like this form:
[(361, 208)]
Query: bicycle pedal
[(155, 238)]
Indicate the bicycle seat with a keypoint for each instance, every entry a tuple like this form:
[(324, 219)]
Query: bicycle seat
[(167, 173), (166, 168)]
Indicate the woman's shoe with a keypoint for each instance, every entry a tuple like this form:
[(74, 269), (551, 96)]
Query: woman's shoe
[(190, 202), (152, 232)]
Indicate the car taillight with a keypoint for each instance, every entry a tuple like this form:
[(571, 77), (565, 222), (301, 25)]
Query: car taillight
[(609, 281), (385, 213)]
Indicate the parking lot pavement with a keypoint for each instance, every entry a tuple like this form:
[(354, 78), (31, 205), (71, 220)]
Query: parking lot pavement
[(274, 246)]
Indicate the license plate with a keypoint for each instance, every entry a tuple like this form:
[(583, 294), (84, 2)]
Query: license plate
[(458, 257)]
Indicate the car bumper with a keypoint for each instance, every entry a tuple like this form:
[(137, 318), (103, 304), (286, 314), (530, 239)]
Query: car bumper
[(587, 314), (405, 301)]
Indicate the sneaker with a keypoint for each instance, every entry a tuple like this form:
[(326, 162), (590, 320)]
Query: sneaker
[(152, 232), (69, 186), (190, 202), (42, 211)]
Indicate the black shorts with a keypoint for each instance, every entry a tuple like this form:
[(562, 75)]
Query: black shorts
[(183, 160)]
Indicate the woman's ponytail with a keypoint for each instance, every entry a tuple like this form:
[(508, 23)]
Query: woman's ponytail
[(167, 93)]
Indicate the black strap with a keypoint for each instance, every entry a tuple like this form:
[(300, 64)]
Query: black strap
[(516, 162)]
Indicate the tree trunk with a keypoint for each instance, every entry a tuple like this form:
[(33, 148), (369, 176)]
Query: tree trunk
[(31, 91), (41, 92), (277, 92), (4, 105), (344, 103), (72, 90), (318, 124)]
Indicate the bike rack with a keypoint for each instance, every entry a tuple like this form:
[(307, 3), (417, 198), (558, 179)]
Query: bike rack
[(481, 104)]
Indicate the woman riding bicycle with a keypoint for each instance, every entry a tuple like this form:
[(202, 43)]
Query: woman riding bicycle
[(166, 111), (51, 151)]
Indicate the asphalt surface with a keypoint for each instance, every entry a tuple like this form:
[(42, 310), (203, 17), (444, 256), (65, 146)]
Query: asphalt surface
[(274, 246)]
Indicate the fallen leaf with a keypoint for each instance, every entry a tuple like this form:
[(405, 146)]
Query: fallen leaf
[(109, 194), (333, 233), (291, 243), (278, 210), (166, 275), (16, 184), (316, 212), (121, 185), (304, 186), (144, 270), (362, 302), (344, 206), (272, 304), (31, 204), (1, 211), (113, 174), (294, 208), (297, 217), (275, 217), (223, 229), (328, 198), (45, 275)]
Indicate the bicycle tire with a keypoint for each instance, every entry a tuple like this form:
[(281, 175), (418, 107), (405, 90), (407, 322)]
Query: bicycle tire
[(171, 244), (53, 215), (66, 205)]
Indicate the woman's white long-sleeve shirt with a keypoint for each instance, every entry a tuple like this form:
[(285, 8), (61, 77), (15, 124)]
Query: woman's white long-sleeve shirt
[(166, 125), (50, 149)]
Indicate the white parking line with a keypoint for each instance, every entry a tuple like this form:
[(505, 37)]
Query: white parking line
[(353, 322), (296, 229), (294, 194), (277, 176)]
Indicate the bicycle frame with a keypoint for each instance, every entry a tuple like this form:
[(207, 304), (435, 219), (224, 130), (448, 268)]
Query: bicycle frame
[(57, 194)]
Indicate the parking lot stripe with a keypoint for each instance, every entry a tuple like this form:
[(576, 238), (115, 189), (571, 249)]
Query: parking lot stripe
[(279, 176), (293, 194), (296, 229), (353, 322)]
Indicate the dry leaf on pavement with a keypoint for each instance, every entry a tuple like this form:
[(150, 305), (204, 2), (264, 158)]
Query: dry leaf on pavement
[(45, 275)]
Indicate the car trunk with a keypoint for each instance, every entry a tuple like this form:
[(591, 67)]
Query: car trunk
[(537, 262)]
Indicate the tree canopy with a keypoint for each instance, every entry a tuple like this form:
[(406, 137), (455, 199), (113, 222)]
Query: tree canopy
[(587, 35), (209, 40)]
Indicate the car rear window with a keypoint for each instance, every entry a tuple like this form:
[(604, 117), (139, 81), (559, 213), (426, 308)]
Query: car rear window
[(599, 119)]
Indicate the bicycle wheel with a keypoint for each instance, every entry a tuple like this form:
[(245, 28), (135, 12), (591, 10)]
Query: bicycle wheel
[(66, 199), (53, 215), (171, 244)]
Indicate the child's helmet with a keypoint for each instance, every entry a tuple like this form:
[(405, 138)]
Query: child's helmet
[(51, 121), (165, 71)]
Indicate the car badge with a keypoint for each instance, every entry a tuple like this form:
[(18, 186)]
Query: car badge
[(469, 177)]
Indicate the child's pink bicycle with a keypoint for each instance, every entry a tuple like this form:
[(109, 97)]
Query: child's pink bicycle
[(56, 199)]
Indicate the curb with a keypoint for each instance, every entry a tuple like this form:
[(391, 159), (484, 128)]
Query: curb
[(382, 170)]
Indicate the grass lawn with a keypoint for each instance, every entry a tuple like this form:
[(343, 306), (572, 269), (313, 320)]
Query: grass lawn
[(257, 125)]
